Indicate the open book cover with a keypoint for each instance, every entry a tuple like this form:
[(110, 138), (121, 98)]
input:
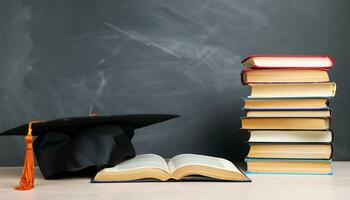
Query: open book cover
[(183, 167)]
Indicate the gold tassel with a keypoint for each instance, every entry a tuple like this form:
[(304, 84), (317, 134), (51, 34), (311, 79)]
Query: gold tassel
[(27, 178)]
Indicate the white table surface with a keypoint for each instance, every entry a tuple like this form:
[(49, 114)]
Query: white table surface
[(315, 187)]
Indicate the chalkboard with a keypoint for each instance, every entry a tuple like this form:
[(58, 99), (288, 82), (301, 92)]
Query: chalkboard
[(64, 58)]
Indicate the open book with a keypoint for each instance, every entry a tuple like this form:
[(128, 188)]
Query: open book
[(181, 167)]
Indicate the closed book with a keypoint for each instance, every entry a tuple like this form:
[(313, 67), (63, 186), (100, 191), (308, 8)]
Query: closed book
[(321, 62), (286, 103), (288, 166), (292, 90), (290, 151), (289, 113), (287, 123), (291, 136), (283, 76)]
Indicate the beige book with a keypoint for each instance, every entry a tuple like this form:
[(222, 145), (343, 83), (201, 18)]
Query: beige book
[(287, 61), (298, 123), (292, 90), (290, 136), (295, 151), (311, 103), (289, 113), (151, 166), (289, 166), (284, 76)]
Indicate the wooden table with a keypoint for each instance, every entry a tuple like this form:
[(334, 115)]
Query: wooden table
[(314, 187)]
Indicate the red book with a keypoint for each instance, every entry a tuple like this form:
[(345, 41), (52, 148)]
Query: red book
[(288, 62)]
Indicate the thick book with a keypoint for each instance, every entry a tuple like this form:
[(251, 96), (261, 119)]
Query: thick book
[(321, 62), (288, 123), (290, 151), (288, 166), (291, 136), (292, 90), (183, 167), (296, 103), (283, 76)]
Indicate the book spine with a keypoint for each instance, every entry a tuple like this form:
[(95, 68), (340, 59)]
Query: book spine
[(242, 78)]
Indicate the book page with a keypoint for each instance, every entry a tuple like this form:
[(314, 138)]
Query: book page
[(141, 161), (195, 159)]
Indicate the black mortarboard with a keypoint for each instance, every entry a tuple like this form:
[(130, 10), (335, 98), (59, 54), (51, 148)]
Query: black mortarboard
[(77, 145)]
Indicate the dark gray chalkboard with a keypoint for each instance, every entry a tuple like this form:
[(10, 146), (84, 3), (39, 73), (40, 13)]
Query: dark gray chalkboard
[(71, 57)]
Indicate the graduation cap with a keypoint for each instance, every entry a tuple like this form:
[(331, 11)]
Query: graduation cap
[(79, 145)]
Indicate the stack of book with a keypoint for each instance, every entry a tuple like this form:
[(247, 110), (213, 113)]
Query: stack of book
[(287, 114)]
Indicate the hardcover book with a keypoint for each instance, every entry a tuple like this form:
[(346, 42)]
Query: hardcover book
[(287, 103), (291, 136), (283, 76), (291, 151), (285, 166), (288, 61), (293, 90), (289, 113), (289, 123)]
